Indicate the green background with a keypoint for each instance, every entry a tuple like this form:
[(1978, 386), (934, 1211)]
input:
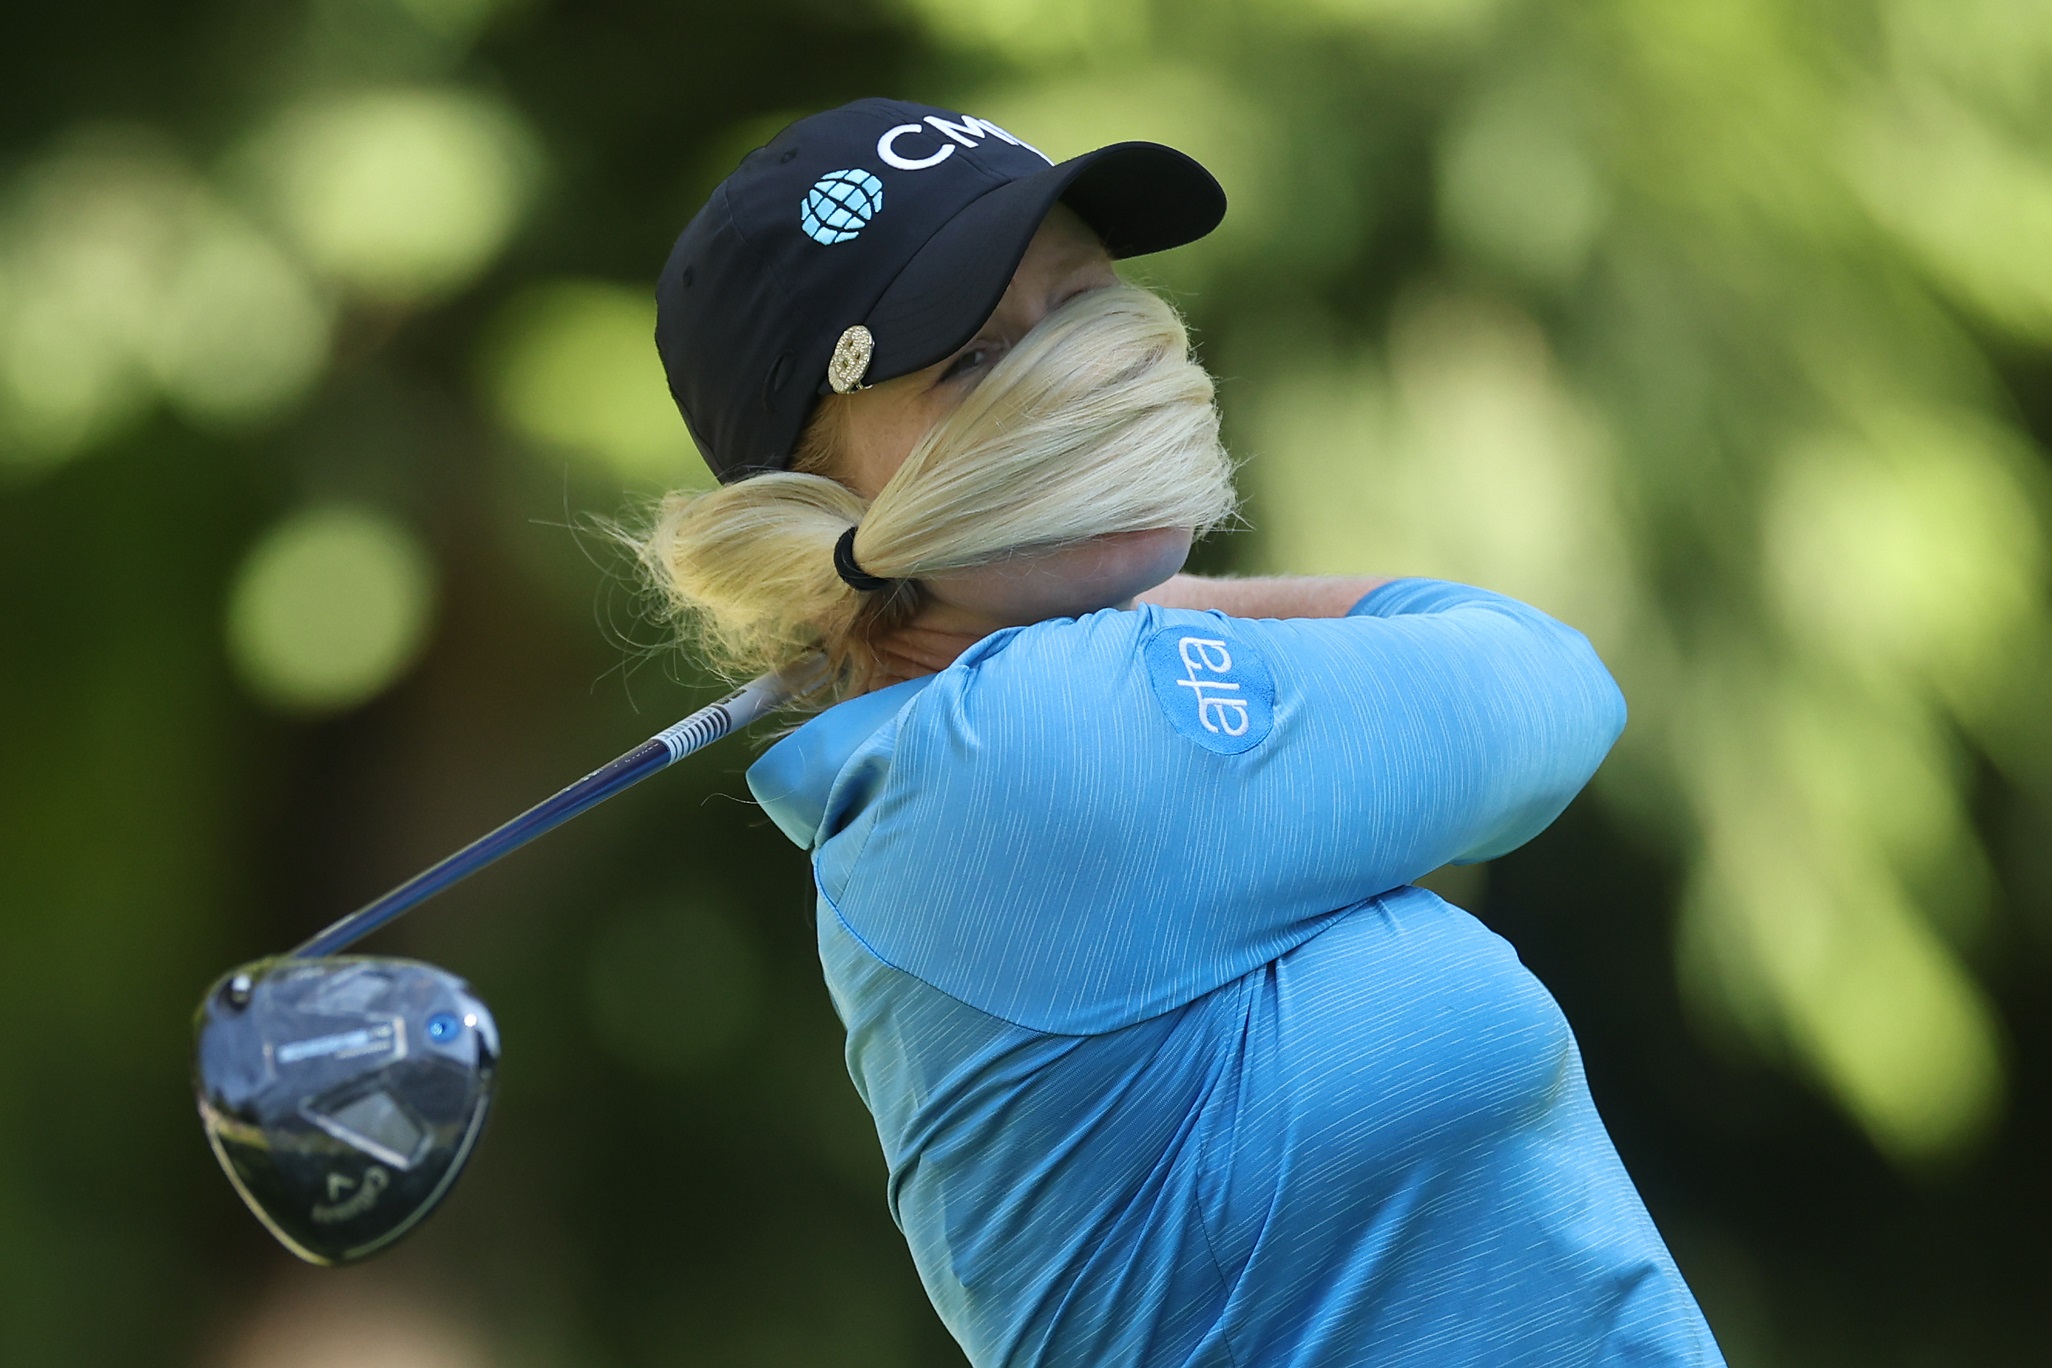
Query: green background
[(1723, 331)]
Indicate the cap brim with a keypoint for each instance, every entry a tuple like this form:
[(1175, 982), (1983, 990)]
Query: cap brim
[(1140, 197)]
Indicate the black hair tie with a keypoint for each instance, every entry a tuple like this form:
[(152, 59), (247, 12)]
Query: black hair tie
[(853, 575)]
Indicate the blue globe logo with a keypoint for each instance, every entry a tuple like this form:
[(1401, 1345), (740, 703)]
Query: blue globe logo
[(839, 205)]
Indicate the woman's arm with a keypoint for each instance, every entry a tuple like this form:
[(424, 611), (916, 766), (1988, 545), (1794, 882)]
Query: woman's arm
[(943, 630), (1124, 862), (1273, 596)]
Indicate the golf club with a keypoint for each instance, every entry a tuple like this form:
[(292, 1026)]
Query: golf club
[(343, 1093)]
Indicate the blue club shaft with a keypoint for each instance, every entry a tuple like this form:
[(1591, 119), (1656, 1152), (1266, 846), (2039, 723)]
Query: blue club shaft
[(659, 752)]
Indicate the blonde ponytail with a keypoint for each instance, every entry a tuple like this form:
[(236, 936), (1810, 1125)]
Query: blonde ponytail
[(1098, 422)]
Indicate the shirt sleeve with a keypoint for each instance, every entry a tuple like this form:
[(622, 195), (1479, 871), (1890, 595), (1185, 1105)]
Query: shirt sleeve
[(1085, 823)]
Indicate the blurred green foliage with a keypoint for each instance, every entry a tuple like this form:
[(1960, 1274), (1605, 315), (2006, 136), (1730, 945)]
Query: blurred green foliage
[(1724, 331)]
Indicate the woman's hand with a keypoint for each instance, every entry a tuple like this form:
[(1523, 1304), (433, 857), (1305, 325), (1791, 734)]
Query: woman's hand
[(926, 645)]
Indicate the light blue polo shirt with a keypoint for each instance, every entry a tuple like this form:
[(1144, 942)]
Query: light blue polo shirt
[(1170, 1064)]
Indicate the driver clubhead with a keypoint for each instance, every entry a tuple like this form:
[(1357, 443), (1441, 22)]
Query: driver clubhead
[(342, 1095)]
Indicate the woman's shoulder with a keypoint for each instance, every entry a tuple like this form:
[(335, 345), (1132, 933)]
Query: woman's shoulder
[(1046, 713), (1099, 694)]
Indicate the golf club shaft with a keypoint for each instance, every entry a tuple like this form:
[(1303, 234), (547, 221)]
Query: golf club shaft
[(665, 748)]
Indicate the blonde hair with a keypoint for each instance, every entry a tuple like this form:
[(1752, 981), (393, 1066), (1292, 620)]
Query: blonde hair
[(1098, 422)]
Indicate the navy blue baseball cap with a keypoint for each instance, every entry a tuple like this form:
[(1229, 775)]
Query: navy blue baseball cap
[(872, 241)]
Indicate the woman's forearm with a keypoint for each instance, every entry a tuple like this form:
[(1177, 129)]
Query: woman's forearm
[(942, 632), (1273, 596)]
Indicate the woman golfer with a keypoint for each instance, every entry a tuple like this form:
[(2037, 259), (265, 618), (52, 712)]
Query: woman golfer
[(1170, 1062)]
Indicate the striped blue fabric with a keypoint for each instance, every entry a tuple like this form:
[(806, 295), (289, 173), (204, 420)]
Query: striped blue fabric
[(1170, 1063)]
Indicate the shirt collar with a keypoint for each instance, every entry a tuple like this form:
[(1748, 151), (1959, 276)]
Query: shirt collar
[(794, 778)]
